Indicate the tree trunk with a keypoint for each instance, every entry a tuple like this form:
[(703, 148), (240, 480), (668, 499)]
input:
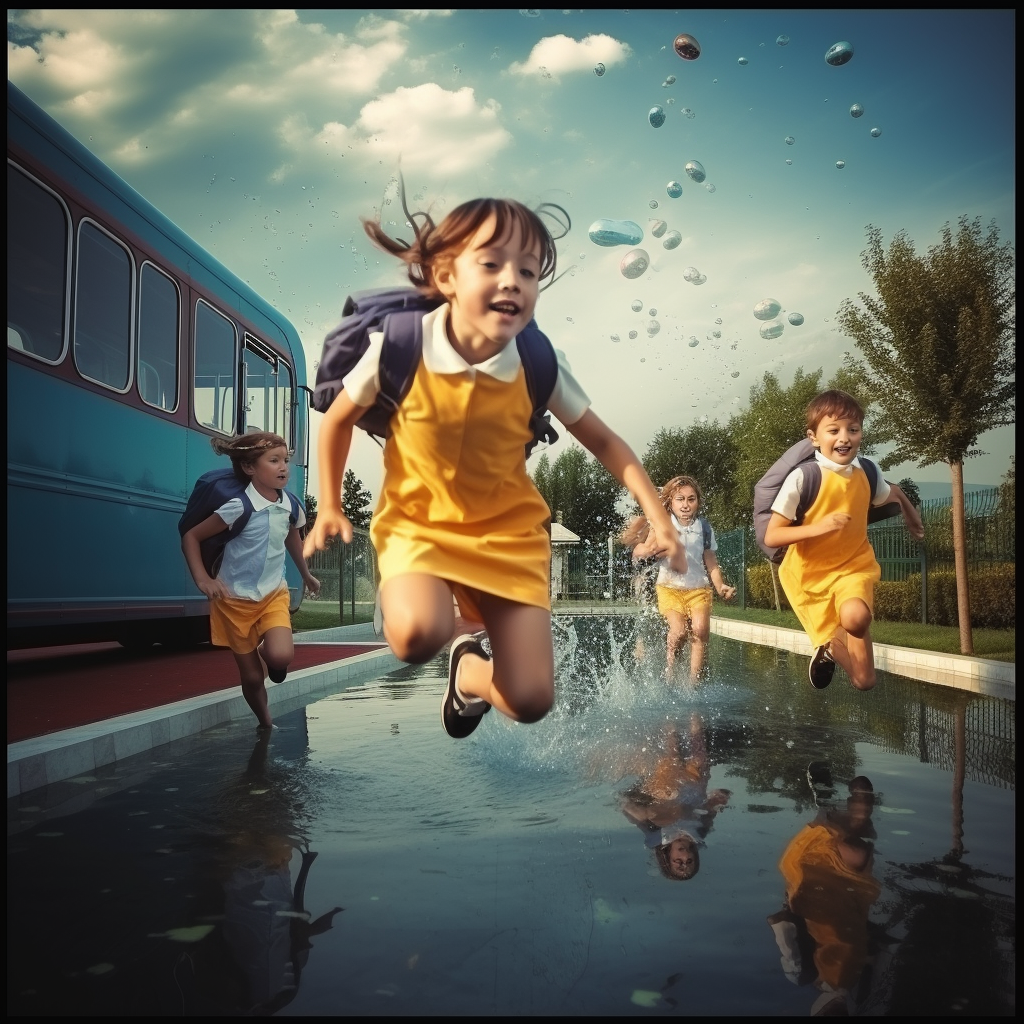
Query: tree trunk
[(775, 586), (963, 597)]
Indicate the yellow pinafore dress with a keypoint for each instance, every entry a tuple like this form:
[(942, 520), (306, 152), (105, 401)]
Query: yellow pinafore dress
[(457, 502), (819, 574)]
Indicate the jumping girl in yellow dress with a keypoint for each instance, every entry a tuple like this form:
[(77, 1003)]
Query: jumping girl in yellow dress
[(458, 513)]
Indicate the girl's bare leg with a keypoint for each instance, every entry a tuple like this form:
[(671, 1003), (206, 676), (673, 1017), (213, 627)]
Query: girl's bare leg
[(418, 616), (520, 679), (678, 625), (700, 627), (252, 673), (851, 646)]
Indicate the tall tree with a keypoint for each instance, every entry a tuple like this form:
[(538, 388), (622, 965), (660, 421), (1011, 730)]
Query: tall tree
[(586, 494), (310, 511), (355, 500), (938, 344)]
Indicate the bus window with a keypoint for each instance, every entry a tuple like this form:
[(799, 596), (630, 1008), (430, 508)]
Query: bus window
[(284, 404), (38, 261), (104, 289), (158, 339), (213, 392), (260, 389)]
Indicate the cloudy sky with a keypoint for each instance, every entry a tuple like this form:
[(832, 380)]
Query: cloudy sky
[(268, 134)]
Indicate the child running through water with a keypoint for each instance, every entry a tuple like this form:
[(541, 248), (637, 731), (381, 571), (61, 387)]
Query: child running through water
[(249, 597), (458, 513), (829, 572), (684, 598)]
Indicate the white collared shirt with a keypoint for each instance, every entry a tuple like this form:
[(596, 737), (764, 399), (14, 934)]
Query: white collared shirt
[(253, 564), (568, 401), (691, 536), (788, 499)]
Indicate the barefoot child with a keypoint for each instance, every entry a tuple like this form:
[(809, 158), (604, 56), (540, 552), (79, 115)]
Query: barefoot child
[(249, 597), (684, 599), (458, 513), (829, 571)]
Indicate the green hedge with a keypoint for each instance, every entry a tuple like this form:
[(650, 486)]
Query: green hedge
[(759, 587)]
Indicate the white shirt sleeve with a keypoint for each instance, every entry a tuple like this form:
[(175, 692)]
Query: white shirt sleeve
[(230, 510), (788, 499), (362, 382), (568, 401)]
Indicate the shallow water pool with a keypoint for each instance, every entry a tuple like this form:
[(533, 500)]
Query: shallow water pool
[(360, 862)]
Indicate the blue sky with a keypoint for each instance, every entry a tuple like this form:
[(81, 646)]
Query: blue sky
[(267, 134)]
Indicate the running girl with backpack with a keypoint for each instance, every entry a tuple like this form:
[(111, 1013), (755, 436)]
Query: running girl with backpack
[(684, 598), (458, 513), (234, 534)]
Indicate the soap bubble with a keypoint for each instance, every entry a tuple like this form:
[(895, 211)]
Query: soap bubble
[(636, 305), (653, 204), (767, 309), (686, 46), (632, 335), (672, 239), (658, 228), (674, 189), (742, 61), (615, 232), (695, 170), (789, 140), (796, 319), (691, 274), (856, 110), (840, 164), (875, 132), (694, 341), (772, 330), (839, 54), (710, 187), (652, 312), (671, 80), (634, 264), (599, 70), (656, 115), (615, 337), (783, 40), (652, 328)]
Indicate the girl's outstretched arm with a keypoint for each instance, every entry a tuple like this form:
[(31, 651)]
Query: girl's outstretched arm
[(332, 454), (725, 592), (620, 460)]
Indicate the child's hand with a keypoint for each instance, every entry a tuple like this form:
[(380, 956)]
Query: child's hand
[(914, 524), (835, 521), (671, 550), (329, 523), (214, 588), (312, 585), (727, 593)]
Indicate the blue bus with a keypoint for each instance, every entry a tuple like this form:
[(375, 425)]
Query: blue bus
[(128, 348)]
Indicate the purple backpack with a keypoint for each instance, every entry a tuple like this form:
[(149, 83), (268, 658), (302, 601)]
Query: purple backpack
[(766, 490)]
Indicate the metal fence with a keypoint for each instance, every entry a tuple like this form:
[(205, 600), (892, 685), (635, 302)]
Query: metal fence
[(348, 581)]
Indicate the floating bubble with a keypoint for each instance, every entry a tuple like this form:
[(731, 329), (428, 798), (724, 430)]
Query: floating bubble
[(694, 341), (875, 132), (789, 140), (652, 312), (839, 54), (636, 305), (772, 330), (735, 374), (658, 228), (671, 80), (615, 337), (767, 309), (686, 46), (840, 164), (656, 115), (652, 328), (742, 61), (782, 41), (672, 239), (615, 232), (856, 110), (796, 319), (674, 189), (653, 204), (789, 163), (691, 274), (634, 264), (695, 170), (632, 335), (710, 187), (599, 70)]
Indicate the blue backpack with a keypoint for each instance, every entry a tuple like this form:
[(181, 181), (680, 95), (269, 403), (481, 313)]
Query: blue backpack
[(766, 490), (398, 312), (212, 490)]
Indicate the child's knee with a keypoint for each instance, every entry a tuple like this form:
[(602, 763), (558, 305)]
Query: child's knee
[(864, 680), (414, 642), (534, 706), (855, 617)]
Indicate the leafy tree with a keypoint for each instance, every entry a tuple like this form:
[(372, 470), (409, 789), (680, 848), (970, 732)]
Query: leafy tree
[(938, 343), (310, 510), (1008, 490), (911, 490), (355, 500), (586, 494)]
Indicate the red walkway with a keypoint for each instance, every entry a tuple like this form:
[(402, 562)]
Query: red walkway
[(62, 687)]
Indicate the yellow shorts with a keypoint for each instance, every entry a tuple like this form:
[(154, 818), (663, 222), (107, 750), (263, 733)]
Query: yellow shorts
[(686, 602), (241, 624)]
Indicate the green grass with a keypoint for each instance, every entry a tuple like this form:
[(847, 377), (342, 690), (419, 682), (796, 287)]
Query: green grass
[(997, 644), (325, 614)]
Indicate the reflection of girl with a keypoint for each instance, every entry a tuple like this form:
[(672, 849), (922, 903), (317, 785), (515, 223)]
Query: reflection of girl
[(671, 805)]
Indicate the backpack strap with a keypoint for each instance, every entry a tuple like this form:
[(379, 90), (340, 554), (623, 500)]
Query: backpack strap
[(399, 356), (810, 484), (540, 366), (706, 528)]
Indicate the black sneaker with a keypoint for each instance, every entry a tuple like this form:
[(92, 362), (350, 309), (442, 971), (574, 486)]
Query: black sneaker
[(277, 675), (822, 668), (460, 717)]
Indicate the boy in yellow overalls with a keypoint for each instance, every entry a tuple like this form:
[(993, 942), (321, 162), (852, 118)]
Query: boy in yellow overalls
[(829, 572)]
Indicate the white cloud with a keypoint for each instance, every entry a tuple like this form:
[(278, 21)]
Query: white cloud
[(556, 55), (421, 15)]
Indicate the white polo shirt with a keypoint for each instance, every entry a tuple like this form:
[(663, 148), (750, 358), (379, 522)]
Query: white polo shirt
[(788, 499)]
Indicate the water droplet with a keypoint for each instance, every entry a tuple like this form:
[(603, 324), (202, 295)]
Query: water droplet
[(782, 40), (636, 305), (718, 319), (529, 12), (652, 328), (695, 170), (856, 110), (686, 46), (674, 189), (772, 330), (570, 319), (735, 374), (694, 341), (632, 335), (658, 228), (671, 80), (840, 164), (710, 187), (767, 309), (789, 140), (583, 255), (839, 54), (714, 81), (615, 232), (742, 61), (672, 239), (656, 115), (875, 132), (789, 163), (701, 279), (653, 204), (615, 337), (716, 334), (691, 274), (599, 70), (634, 264), (643, 360), (796, 319), (688, 112), (652, 312)]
